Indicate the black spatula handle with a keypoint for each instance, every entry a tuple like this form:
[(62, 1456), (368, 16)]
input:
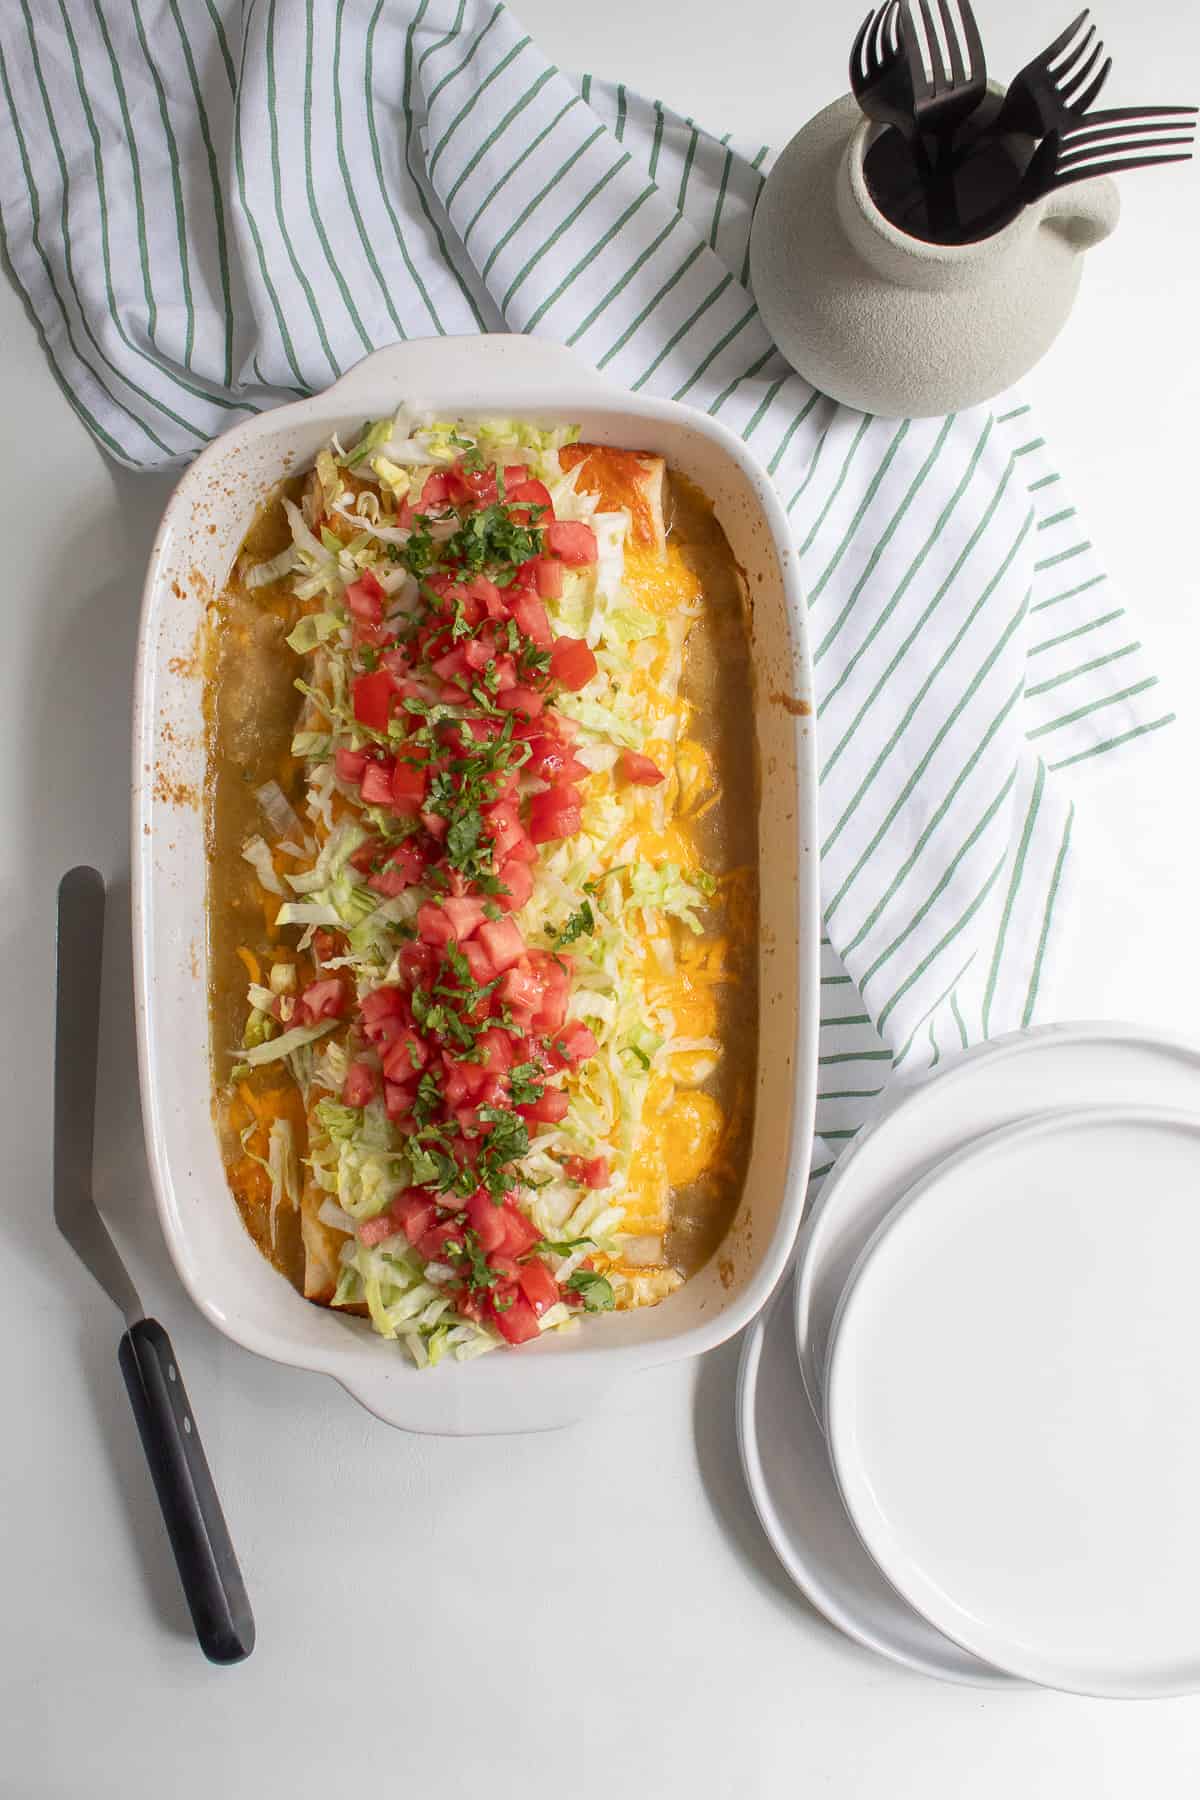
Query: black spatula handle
[(204, 1554)]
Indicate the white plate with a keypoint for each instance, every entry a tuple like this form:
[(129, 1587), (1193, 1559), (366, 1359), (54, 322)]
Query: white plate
[(791, 1483), (1015, 1077), (1010, 1400)]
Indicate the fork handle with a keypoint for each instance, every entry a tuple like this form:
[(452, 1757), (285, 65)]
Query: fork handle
[(204, 1553)]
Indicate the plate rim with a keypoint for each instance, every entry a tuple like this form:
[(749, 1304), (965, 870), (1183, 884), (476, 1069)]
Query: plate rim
[(966, 1063), (986, 1678), (1040, 1672)]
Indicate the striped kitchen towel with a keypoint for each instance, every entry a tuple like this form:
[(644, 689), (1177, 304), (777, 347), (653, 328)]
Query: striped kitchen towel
[(214, 205)]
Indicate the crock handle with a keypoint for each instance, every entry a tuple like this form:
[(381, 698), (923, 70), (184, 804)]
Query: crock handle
[(1083, 212)]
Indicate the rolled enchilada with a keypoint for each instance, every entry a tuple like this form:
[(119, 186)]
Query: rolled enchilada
[(482, 900)]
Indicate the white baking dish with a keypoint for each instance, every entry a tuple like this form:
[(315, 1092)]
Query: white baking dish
[(558, 1379)]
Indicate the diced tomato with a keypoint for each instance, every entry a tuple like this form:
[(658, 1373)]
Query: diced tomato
[(504, 828), (571, 541), (557, 813), (418, 961), (408, 786), (371, 697), (360, 1084), (473, 487), (398, 1099), (479, 652), (529, 616), (514, 475), (414, 1212), (591, 1171), (433, 925), (487, 1221), (505, 675), (348, 765), (549, 1108), (525, 851), (373, 1231), (551, 1009), (465, 916), (517, 877), (382, 1003), (512, 1315), (572, 663), (463, 1081), (507, 1267), (478, 961), (525, 494), (549, 577), (538, 1285), (524, 582), (636, 767), (520, 699), (521, 987), (490, 1093), (573, 1044), (469, 1123), (503, 943), (436, 490), (432, 1244), (364, 597), (377, 784), (520, 1232), (376, 636), (434, 824), (323, 1000), (452, 665), (399, 667), (494, 1048), (489, 596), (405, 1056), (404, 868), (553, 760)]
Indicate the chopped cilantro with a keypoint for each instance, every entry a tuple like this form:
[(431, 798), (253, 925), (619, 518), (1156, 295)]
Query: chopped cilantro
[(525, 1084), (579, 922), (596, 1290)]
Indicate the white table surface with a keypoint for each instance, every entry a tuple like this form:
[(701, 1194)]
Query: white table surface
[(594, 1610)]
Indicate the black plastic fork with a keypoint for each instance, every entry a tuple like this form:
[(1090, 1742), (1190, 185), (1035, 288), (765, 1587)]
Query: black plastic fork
[(881, 71), (945, 97), (1084, 155), (1049, 93)]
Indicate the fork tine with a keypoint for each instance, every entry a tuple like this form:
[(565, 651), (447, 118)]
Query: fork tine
[(1059, 73), (1082, 101), (1112, 115), (1093, 171), (882, 47), (957, 71), (1076, 158), (909, 39), (857, 67), (1060, 43), (1079, 140), (1071, 82), (937, 67), (975, 56)]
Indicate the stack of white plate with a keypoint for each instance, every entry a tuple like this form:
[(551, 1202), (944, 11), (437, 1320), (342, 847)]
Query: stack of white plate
[(968, 1422)]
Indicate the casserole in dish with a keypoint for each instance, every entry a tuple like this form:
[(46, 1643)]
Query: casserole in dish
[(555, 1378)]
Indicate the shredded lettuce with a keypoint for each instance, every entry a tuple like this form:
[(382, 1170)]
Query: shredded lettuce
[(277, 1048), (257, 852)]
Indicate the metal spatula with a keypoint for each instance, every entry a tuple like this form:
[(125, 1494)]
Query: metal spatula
[(204, 1555)]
